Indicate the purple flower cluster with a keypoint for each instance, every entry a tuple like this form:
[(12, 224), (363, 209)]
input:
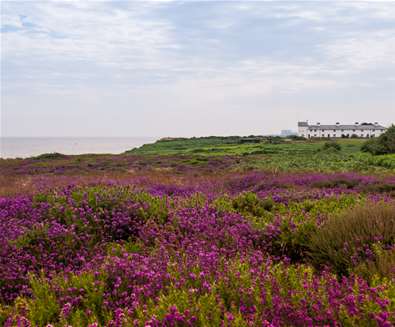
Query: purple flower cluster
[(113, 254)]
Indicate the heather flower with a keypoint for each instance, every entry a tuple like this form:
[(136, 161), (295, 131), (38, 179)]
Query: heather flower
[(144, 253)]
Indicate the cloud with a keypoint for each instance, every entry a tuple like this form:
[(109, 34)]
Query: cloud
[(363, 52), (224, 54)]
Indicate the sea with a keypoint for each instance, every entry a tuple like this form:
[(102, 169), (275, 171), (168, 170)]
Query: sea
[(23, 147)]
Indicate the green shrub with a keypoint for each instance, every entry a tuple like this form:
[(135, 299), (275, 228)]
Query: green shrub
[(384, 144), (344, 241), (293, 240), (296, 138), (331, 145), (50, 156), (248, 203), (43, 307)]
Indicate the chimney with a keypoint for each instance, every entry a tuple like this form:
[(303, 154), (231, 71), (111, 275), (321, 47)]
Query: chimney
[(318, 123), (356, 123), (376, 123), (337, 123)]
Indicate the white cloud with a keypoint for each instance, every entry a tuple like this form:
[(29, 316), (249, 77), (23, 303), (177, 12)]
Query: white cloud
[(364, 51), (91, 54)]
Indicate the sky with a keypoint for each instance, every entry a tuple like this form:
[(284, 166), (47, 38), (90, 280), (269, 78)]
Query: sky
[(186, 68)]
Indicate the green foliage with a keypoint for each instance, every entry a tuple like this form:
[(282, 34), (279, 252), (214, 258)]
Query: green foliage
[(331, 145), (106, 199), (50, 156), (384, 144), (91, 289), (203, 307), (343, 240), (31, 236), (248, 203), (294, 239), (42, 307), (194, 144)]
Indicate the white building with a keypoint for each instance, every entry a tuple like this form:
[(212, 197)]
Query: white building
[(333, 131)]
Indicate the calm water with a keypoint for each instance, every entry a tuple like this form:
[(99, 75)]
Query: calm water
[(22, 147)]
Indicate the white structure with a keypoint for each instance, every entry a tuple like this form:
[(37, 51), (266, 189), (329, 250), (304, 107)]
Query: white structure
[(337, 130)]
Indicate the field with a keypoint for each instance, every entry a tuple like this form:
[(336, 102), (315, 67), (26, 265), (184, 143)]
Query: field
[(212, 231)]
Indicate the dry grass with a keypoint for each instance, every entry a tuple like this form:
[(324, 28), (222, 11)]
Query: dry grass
[(383, 265), (349, 234)]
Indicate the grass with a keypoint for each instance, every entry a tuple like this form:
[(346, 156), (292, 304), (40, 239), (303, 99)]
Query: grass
[(343, 241), (240, 146), (277, 155)]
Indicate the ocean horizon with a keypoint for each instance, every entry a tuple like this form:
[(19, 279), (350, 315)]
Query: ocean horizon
[(24, 147)]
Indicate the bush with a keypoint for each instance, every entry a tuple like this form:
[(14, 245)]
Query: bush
[(384, 144), (331, 145), (50, 156), (347, 240), (296, 138), (249, 204)]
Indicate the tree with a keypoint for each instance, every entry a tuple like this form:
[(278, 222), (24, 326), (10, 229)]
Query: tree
[(384, 144)]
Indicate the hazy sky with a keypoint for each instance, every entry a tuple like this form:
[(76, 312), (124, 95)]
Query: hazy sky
[(183, 68)]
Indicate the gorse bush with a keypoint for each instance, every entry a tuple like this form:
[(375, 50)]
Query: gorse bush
[(346, 240), (384, 144)]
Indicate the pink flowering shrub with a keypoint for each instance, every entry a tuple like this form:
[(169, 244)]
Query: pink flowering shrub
[(254, 250)]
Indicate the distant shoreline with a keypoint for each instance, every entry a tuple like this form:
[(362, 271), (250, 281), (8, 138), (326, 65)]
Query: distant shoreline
[(25, 147)]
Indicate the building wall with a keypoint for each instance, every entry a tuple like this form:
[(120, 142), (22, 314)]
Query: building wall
[(303, 131), (337, 133)]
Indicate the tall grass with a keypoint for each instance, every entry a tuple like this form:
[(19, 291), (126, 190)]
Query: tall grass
[(348, 239)]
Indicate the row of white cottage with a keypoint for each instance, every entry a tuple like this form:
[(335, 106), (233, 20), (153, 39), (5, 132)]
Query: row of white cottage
[(357, 130)]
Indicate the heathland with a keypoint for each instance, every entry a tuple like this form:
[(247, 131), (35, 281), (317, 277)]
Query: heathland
[(216, 231)]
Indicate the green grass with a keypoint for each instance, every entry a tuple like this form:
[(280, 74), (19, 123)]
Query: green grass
[(275, 154), (240, 146), (202, 146)]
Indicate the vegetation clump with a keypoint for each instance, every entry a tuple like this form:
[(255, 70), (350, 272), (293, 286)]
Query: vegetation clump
[(384, 144), (344, 241), (332, 145), (50, 156)]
